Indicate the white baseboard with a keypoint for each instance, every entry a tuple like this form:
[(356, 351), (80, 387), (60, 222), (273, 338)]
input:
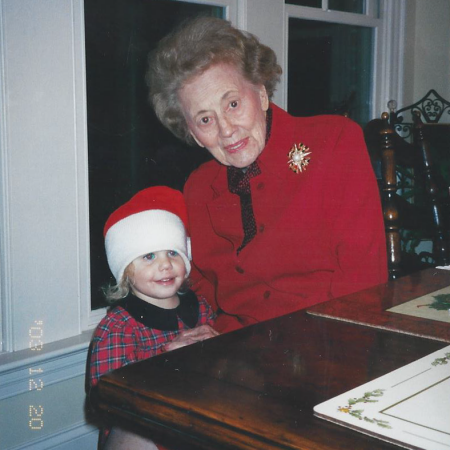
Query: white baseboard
[(49, 368), (63, 366), (80, 437)]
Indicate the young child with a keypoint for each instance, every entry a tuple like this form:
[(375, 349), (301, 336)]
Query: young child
[(148, 253)]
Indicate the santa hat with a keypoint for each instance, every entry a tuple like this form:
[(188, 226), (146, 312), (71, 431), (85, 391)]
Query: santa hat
[(155, 219)]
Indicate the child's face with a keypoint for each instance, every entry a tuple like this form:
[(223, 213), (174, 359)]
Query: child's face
[(156, 277)]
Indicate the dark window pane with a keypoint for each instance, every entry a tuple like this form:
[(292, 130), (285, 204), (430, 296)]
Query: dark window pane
[(128, 148), (312, 3), (329, 69), (354, 6)]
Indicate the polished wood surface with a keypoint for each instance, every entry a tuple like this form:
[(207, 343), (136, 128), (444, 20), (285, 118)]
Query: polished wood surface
[(379, 299), (256, 388)]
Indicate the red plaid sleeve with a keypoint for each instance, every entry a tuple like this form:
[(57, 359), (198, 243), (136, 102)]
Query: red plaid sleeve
[(113, 345), (120, 340), (206, 315)]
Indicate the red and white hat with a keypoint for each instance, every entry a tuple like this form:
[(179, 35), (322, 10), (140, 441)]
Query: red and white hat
[(155, 219)]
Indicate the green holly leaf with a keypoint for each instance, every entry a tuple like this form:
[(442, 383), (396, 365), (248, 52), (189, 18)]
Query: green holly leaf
[(441, 302)]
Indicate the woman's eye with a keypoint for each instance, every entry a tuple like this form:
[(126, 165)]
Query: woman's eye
[(204, 120), (173, 253), (149, 257), (234, 104)]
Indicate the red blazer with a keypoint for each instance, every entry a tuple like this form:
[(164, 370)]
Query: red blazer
[(320, 232)]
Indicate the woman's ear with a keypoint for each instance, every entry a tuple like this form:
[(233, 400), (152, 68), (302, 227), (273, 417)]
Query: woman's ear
[(196, 140), (264, 98)]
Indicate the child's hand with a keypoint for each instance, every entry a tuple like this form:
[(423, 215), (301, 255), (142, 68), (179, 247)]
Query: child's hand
[(191, 336)]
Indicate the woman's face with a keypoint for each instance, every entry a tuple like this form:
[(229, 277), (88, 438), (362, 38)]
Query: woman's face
[(226, 114)]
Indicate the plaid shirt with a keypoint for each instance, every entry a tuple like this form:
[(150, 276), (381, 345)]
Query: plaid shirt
[(121, 339)]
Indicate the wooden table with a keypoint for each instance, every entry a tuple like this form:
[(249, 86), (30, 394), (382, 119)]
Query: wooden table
[(256, 388), (378, 300)]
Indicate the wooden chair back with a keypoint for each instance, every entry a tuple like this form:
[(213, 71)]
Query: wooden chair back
[(389, 152)]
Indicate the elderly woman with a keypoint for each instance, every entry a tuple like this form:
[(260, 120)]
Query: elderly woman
[(287, 214)]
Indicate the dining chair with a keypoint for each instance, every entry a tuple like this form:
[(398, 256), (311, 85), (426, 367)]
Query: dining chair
[(413, 211), (434, 112), (433, 109)]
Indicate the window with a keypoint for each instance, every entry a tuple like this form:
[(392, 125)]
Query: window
[(128, 148), (331, 58), (330, 69)]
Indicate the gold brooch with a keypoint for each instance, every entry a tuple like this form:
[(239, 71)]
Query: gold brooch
[(298, 157)]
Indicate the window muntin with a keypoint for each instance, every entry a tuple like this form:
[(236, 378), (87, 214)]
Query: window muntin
[(366, 7)]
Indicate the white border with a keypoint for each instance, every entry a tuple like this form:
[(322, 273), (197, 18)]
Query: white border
[(397, 387)]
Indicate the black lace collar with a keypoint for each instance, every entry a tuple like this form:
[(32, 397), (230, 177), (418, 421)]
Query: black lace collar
[(163, 319)]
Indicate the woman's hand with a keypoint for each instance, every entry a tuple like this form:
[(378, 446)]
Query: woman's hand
[(191, 336)]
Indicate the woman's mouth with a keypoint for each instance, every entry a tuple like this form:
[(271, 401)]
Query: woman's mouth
[(237, 146)]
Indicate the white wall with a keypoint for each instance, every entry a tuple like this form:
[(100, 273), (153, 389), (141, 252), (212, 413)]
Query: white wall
[(43, 226), (44, 192), (427, 63)]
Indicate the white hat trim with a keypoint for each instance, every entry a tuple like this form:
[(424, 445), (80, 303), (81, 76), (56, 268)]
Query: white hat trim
[(145, 232)]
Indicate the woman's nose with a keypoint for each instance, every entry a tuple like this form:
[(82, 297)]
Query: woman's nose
[(225, 127)]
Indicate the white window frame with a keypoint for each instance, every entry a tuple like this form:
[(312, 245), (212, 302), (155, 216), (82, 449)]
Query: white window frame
[(5, 310)]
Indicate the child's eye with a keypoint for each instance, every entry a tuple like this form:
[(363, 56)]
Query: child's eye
[(173, 253), (149, 256)]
